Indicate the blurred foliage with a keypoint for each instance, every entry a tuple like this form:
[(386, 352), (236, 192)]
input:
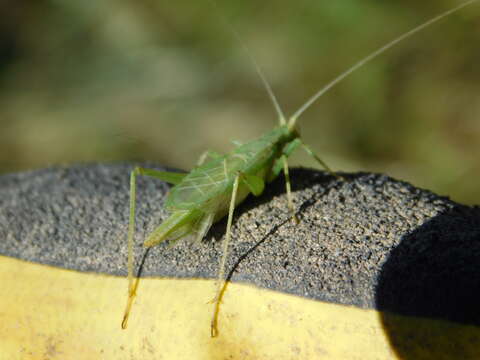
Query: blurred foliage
[(107, 80)]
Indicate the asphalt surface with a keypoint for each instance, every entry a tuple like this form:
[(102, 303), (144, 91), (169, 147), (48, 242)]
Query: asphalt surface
[(366, 240)]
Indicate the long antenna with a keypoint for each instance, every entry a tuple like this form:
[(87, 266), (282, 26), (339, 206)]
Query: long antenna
[(356, 66), (266, 84)]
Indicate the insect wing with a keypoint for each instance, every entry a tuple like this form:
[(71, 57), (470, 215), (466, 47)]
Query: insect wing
[(201, 184)]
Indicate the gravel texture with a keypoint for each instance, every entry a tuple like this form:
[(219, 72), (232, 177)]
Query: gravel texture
[(366, 240)]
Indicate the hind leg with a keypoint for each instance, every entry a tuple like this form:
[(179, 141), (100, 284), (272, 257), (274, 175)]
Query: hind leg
[(221, 272), (170, 177)]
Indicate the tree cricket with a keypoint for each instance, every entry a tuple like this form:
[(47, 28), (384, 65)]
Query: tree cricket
[(219, 183)]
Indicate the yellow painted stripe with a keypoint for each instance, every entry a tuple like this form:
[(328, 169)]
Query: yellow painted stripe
[(50, 313)]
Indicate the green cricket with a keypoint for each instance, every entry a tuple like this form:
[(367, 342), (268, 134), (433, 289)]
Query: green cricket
[(218, 183)]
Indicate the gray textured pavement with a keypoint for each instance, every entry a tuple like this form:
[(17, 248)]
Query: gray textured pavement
[(368, 240)]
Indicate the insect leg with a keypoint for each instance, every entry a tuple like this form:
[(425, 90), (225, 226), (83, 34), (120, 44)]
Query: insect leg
[(170, 177), (315, 156), (221, 272), (287, 150), (131, 230), (288, 187), (204, 225), (254, 183), (177, 225)]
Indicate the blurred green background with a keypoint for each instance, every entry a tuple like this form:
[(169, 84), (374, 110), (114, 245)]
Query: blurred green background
[(106, 80)]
